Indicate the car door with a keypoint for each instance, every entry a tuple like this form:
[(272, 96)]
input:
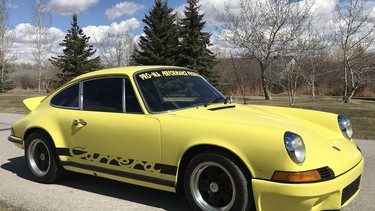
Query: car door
[(111, 131)]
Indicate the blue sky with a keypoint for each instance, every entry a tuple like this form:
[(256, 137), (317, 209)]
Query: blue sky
[(96, 17), (90, 12)]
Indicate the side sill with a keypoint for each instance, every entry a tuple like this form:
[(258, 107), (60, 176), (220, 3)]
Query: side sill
[(120, 174)]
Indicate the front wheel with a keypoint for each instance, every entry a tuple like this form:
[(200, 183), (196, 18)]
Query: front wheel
[(42, 160), (213, 182)]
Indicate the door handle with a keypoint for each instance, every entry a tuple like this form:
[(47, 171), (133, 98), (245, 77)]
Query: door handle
[(82, 123)]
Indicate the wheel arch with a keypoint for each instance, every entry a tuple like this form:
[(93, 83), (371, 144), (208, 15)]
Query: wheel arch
[(38, 130), (198, 149), (55, 170)]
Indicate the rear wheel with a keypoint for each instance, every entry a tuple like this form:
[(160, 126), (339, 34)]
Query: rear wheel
[(42, 160), (214, 182)]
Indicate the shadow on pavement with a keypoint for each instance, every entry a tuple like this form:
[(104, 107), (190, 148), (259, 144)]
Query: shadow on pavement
[(17, 166), (111, 188)]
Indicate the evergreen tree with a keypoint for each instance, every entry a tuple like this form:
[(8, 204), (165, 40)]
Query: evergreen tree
[(193, 50), (6, 83), (76, 59), (159, 44)]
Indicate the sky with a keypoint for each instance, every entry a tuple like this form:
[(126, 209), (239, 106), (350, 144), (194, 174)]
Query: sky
[(97, 16), (94, 17), (90, 12)]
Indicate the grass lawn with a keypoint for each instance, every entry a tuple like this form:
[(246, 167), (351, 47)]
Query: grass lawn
[(360, 111), (12, 102)]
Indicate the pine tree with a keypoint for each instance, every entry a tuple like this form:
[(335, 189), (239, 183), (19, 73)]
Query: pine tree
[(76, 59), (6, 83), (193, 50), (159, 44)]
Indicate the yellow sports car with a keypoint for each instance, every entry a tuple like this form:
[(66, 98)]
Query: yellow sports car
[(168, 128)]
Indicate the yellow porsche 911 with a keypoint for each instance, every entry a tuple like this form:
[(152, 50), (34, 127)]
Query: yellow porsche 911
[(168, 128)]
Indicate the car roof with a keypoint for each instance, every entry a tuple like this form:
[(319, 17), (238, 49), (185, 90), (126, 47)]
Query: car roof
[(130, 70)]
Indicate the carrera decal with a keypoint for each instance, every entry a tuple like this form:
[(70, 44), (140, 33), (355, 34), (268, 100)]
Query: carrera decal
[(120, 173), (80, 153)]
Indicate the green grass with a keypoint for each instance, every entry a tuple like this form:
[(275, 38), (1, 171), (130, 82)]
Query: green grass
[(360, 111)]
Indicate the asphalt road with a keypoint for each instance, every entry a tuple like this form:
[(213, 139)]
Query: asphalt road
[(84, 192)]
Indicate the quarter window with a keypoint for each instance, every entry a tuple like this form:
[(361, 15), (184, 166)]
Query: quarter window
[(67, 98)]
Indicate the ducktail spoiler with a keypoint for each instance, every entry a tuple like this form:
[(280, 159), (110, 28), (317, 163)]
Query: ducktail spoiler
[(31, 103)]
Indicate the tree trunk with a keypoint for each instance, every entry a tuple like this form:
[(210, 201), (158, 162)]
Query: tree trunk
[(346, 83), (313, 86), (39, 77), (351, 94), (313, 92), (2, 78), (266, 91)]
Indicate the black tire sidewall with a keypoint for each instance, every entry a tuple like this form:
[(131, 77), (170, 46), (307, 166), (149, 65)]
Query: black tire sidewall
[(54, 170), (243, 199)]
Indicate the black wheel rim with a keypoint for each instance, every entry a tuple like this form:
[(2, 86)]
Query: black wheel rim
[(39, 157), (212, 187)]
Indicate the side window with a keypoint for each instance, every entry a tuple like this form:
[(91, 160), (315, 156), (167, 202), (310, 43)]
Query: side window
[(67, 98), (103, 95), (131, 102)]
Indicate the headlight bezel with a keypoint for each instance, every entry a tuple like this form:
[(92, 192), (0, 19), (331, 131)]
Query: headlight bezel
[(295, 147), (345, 126)]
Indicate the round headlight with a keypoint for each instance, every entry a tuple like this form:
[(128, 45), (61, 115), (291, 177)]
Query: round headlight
[(345, 126), (295, 147)]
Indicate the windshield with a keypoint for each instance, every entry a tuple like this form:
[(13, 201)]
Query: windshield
[(165, 90)]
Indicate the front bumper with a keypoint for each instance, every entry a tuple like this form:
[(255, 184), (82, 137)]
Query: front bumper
[(327, 195), (17, 141)]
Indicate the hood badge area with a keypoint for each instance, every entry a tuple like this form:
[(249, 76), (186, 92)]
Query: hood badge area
[(336, 148)]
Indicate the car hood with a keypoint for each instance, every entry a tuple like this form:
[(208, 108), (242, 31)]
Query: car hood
[(286, 119), (263, 127)]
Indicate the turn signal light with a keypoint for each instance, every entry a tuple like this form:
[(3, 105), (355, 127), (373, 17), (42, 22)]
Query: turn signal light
[(296, 177)]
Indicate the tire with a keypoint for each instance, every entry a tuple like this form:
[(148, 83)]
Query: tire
[(213, 182), (42, 160)]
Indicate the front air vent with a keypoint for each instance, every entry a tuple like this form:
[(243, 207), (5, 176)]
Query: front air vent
[(350, 190), (326, 173)]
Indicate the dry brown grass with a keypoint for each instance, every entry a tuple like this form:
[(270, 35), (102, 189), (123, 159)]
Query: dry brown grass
[(12, 102)]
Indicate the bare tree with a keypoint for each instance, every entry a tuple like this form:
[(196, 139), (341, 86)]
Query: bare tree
[(116, 48), (288, 76), (355, 36), (301, 61), (40, 36), (312, 66), (265, 28), (6, 42)]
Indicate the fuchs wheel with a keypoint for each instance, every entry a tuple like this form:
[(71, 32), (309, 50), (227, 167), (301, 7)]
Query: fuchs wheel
[(213, 182), (42, 160)]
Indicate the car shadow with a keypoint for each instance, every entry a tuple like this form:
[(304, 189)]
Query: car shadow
[(111, 188)]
